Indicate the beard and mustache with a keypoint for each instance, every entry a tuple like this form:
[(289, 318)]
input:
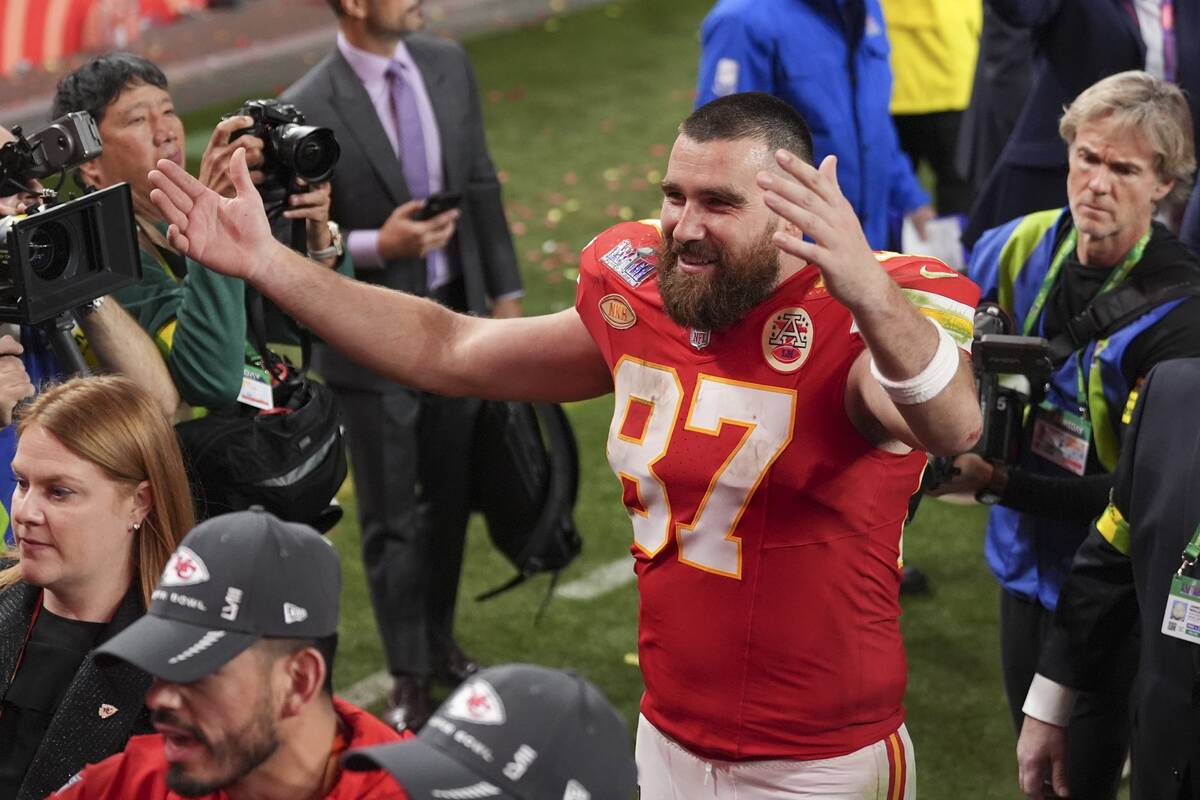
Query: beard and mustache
[(237, 754), (720, 297)]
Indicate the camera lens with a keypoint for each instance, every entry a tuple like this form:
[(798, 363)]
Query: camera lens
[(313, 152), (49, 251)]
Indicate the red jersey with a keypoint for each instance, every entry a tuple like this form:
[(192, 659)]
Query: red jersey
[(766, 528), (140, 771)]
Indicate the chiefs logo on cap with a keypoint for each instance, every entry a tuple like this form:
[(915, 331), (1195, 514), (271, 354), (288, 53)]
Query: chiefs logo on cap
[(476, 702), (184, 569), (787, 339)]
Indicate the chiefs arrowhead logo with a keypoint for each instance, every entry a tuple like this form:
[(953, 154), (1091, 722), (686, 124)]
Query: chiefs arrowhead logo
[(184, 569), (476, 702), (787, 339)]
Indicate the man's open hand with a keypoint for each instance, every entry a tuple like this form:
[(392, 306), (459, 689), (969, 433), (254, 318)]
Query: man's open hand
[(229, 235), (814, 205)]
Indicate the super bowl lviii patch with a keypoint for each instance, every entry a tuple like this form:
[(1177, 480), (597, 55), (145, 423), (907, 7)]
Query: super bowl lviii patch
[(628, 263), (787, 339), (617, 312)]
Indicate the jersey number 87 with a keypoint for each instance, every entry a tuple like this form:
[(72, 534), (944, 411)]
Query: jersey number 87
[(765, 413)]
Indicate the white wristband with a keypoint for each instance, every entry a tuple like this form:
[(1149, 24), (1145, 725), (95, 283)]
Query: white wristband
[(929, 382)]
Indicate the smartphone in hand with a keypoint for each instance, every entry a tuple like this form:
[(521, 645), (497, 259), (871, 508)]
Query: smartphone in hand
[(437, 203)]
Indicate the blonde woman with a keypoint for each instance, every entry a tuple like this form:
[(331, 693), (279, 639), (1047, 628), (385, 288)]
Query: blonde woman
[(101, 501)]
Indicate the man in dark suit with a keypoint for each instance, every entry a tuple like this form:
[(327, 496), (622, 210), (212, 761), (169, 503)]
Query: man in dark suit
[(1127, 573), (1076, 43), (405, 109)]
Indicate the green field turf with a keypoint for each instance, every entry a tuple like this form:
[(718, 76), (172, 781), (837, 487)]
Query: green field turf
[(581, 111)]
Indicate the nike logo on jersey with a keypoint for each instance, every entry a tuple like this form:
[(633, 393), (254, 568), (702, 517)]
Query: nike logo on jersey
[(926, 272)]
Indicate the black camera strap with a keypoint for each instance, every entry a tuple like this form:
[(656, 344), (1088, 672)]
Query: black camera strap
[(1110, 311), (256, 327)]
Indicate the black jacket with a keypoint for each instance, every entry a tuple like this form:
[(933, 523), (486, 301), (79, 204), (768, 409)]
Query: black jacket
[(1114, 584), (77, 735)]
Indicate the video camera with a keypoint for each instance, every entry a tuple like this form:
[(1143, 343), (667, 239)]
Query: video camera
[(58, 256), (291, 149), (996, 354)]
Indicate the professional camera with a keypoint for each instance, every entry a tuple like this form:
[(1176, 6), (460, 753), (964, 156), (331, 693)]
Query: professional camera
[(64, 144), (1011, 374), (291, 149), (58, 256)]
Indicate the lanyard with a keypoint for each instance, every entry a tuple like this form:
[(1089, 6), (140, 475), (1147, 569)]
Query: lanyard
[(1119, 273), (1191, 553)]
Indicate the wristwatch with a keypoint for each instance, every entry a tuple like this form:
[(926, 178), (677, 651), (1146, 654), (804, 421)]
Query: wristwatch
[(990, 495), (335, 249)]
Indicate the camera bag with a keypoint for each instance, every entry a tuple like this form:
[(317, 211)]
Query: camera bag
[(525, 475), (291, 460)]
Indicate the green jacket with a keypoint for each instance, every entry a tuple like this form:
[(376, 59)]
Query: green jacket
[(199, 324)]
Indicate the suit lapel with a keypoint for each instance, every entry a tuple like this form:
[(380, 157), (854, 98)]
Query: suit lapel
[(352, 102)]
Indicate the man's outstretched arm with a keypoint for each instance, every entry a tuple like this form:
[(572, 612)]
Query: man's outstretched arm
[(409, 339), (900, 340)]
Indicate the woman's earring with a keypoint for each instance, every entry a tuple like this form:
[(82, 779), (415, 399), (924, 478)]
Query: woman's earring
[(137, 526)]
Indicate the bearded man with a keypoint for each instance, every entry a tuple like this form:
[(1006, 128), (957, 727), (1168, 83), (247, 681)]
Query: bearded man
[(240, 638), (773, 397)]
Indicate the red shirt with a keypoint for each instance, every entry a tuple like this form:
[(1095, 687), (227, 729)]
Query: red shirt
[(140, 771), (767, 530)]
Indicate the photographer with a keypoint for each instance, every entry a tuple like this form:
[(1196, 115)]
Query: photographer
[(1060, 273), (114, 340), (196, 317)]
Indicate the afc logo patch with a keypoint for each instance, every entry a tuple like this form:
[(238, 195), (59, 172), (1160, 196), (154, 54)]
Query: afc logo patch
[(787, 339)]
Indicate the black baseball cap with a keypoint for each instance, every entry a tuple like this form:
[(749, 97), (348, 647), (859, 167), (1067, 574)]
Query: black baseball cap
[(233, 580), (514, 732)]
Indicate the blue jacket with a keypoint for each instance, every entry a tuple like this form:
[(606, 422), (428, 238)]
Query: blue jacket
[(1031, 555), (798, 50)]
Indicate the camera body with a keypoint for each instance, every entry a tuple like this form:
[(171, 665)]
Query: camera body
[(62, 145), (1004, 407), (995, 354), (291, 149), (61, 255)]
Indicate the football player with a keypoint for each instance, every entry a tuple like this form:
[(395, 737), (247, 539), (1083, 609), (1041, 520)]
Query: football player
[(776, 383)]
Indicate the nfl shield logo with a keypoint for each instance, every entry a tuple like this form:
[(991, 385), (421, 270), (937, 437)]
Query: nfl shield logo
[(699, 339)]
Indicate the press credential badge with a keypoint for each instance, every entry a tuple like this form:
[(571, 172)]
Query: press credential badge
[(256, 388), (1181, 617)]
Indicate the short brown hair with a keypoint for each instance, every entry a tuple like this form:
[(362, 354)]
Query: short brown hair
[(1154, 109)]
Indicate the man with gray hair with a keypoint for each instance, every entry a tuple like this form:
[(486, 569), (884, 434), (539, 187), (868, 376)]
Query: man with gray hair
[(1114, 292)]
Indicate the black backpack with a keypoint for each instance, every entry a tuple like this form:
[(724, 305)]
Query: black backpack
[(524, 478)]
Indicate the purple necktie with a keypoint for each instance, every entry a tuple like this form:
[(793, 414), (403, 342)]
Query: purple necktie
[(412, 137)]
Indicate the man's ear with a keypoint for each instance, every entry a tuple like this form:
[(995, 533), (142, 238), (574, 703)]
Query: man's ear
[(354, 8), (305, 674), (91, 173), (1162, 190)]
